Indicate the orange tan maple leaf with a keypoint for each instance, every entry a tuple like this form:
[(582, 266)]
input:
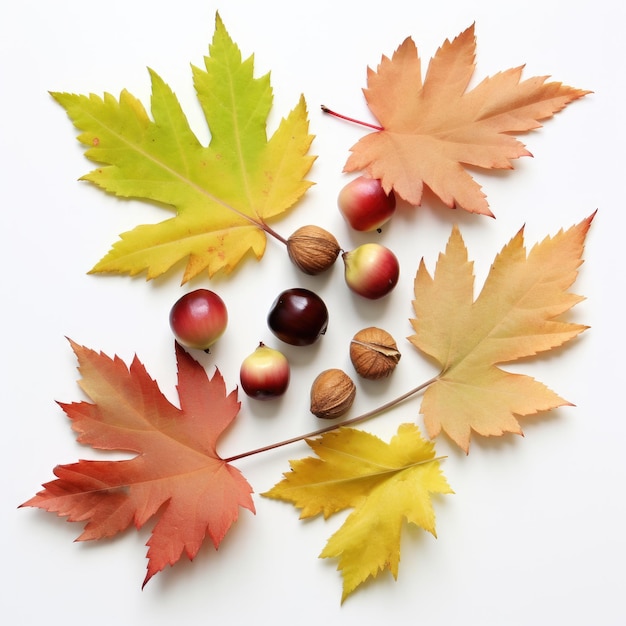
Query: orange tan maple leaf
[(176, 476), (431, 129), (516, 315)]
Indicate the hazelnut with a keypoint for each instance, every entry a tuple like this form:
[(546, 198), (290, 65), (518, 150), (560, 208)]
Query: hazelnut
[(312, 249), (374, 353), (332, 394)]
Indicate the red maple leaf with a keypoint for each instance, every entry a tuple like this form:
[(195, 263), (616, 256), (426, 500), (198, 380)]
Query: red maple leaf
[(176, 476)]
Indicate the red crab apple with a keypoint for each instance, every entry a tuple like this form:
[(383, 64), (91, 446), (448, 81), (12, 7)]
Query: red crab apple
[(198, 319), (298, 317), (265, 373), (365, 205), (371, 270)]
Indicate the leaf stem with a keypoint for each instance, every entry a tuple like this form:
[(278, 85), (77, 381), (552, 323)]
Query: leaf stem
[(350, 422), (270, 231), (349, 119), (259, 223)]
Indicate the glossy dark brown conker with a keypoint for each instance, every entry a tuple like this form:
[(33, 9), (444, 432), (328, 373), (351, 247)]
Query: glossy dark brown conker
[(298, 317)]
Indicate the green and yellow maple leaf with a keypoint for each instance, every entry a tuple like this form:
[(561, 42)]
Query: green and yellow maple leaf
[(222, 193), (385, 484), (516, 315)]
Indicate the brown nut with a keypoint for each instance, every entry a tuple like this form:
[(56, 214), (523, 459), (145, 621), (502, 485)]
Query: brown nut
[(374, 353), (312, 249), (332, 394)]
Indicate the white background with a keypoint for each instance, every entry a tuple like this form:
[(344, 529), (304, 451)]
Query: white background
[(535, 531)]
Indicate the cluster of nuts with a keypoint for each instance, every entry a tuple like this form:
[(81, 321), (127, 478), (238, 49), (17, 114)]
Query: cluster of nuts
[(299, 316), (373, 351), (374, 355)]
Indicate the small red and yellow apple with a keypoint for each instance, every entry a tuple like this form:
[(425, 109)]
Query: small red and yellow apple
[(371, 270), (365, 205), (198, 319)]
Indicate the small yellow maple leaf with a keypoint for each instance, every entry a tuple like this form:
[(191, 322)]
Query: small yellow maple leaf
[(516, 315), (385, 484), (432, 128), (224, 193)]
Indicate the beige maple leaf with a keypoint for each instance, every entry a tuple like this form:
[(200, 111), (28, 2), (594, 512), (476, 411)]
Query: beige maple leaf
[(516, 315)]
